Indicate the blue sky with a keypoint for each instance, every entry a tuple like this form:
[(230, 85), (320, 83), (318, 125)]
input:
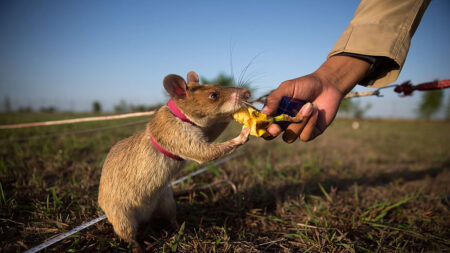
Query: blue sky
[(69, 53)]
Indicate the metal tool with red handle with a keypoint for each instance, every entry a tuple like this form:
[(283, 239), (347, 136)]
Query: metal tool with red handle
[(407, 88)]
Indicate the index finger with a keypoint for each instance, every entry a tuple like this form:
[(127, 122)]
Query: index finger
[(273, 100)]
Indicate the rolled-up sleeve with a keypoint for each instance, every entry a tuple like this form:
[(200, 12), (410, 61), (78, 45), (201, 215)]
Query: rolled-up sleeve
[(382, 28)]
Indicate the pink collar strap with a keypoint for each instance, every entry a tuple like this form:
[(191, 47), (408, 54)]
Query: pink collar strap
[(176, 111), (165, 152)]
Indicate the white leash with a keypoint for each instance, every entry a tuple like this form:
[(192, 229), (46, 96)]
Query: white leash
[(65, 235), (98, 219)]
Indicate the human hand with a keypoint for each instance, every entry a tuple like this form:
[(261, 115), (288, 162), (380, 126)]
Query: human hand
[(323, 103), (324, 89)]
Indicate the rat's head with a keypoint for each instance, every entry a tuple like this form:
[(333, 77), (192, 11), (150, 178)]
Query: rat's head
[(204, 104)]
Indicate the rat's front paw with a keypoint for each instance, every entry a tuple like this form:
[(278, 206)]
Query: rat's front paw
[(243, 137)]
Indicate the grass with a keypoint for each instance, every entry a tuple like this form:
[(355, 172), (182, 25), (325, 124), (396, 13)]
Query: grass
[(381, 188)]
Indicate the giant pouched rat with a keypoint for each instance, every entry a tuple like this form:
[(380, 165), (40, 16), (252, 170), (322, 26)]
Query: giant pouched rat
[(137, 170)]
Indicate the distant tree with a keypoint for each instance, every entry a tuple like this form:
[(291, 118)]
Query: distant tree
[(96, 107), (447, 110), (346, 106), (138, 108), (221, 79), (359, 111), (225, 80), (353, 108), (25, 109), (154, 107), (122, 107), (430, 104), (48, 109), (7, 104)]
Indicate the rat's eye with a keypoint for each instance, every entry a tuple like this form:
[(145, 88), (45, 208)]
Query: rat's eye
[(213, 95)]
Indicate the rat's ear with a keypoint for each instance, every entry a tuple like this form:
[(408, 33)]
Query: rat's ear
[(192, 77), (175, 86)]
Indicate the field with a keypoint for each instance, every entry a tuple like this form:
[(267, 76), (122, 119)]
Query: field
[(384, 187)]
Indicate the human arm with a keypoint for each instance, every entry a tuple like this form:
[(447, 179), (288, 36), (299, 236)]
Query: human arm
[(380, 29)]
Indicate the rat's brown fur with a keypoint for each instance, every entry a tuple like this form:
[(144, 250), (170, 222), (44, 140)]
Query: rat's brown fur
[(135, 175)]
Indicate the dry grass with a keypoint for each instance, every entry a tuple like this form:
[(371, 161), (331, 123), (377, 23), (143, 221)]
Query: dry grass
[(382, 188)]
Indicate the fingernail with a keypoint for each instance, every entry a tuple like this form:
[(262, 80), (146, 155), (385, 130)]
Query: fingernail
[(264, 110), (307, 109), (273, 130)]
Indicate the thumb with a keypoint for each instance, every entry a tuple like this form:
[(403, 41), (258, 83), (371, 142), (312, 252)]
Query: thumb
[(273, 100)]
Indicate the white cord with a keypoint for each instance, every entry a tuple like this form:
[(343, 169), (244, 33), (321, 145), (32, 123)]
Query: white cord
[(65, 235)]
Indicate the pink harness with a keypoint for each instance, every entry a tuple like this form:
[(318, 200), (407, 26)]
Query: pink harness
[(176, 111)]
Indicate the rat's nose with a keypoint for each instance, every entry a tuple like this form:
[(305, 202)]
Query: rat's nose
[(245, 95)]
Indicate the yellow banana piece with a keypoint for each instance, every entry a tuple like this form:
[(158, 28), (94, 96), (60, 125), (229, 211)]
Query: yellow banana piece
[(258, 122)]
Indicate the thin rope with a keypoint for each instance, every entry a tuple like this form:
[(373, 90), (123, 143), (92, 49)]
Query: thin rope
[(75, 132), (78, 120), (362, 94), (65, 235)]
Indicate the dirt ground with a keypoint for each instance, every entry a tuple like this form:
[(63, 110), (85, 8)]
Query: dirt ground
[(383, 187)]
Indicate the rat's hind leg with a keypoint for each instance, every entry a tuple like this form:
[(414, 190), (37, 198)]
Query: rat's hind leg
[(166, 207), (125, 227)]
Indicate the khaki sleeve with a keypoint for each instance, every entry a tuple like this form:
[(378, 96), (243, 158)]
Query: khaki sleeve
[(382, 28)]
